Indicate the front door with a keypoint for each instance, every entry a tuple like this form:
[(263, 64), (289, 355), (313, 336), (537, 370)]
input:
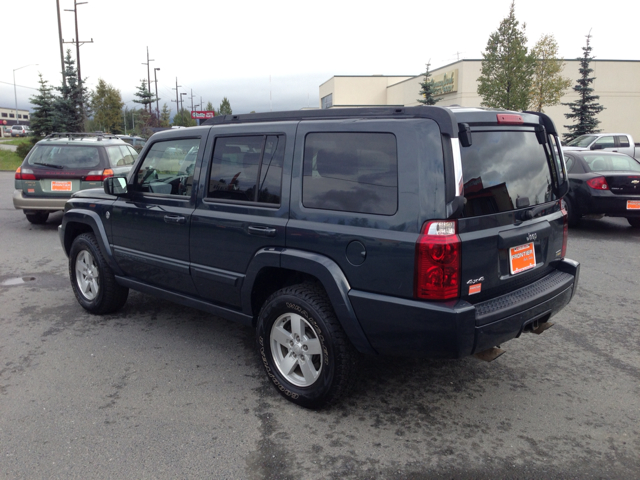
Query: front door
[(150, 228)]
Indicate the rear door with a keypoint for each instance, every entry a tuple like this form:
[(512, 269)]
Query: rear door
[(243, 206), (512, 230)]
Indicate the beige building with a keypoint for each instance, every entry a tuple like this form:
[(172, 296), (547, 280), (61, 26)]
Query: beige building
[(616, 81)]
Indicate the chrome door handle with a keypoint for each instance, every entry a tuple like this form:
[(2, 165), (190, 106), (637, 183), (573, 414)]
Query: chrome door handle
[(175, 219), (262, 231)]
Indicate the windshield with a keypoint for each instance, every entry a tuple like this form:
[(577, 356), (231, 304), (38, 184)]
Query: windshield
[(581, 141), (65, 156), (505, 170), (602, 162)]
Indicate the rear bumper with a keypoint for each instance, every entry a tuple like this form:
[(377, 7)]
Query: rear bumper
[(38, 203), (397, 326)]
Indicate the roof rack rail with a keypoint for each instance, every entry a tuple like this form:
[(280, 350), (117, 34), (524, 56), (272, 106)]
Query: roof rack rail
[(77, 135)]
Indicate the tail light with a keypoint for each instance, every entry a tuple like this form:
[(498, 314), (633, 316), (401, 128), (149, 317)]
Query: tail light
[(598, 183), (565, 229), (98, 175), (24, 174), (437, 268)]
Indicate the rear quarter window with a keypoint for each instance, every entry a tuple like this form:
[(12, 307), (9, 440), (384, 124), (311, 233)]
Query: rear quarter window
[(351, 172)]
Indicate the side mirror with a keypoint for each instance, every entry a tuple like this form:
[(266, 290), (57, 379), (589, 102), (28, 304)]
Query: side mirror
[(115, 186), (597, 146)]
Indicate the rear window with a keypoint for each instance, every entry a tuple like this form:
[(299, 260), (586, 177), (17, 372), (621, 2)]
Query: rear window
[(65, 156), (602, 162), (505, 170)]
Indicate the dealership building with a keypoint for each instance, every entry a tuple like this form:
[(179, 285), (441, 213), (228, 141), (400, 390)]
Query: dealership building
[(617, 82)]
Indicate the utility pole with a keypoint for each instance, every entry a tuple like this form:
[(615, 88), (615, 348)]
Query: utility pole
[(182, 101), (155, 80), (64, 77), (191, 99), (77, 42), (148, 76), (177, 100)]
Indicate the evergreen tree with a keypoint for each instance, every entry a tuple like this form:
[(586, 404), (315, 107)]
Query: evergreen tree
[(107, 106), (505, 79), (210, 107), (146, 98), (165, 116), (68, 105), (43, 120), (548, 85), (225, 107), (427, 90), (585, 108)]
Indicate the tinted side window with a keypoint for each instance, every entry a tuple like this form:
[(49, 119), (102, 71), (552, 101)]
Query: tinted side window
[(240, 162), (351, 172)]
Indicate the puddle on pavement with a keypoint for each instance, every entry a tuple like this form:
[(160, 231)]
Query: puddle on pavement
[(18, 281)]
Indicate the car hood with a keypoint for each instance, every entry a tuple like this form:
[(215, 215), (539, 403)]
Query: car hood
[(92, 193)]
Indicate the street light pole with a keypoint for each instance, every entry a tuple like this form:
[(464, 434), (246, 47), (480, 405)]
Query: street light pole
[(15, 92)]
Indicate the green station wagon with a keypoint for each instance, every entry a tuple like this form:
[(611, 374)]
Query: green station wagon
[(64, 163)]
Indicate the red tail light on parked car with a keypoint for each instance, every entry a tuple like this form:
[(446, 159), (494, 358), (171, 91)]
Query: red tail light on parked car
[(24, 174), (598, 183), (437, 269), (98, 175)]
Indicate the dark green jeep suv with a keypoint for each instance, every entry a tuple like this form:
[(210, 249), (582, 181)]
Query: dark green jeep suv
[(394, 231)]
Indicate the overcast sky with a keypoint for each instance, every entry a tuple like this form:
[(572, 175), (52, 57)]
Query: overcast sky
[(274, 54)]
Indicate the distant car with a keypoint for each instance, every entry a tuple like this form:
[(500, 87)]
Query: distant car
[(133, 140), (64, 163), (7, 130), (603, 183), (19, 131)]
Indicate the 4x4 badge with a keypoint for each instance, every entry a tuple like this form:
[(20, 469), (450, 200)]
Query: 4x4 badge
[(531, 237)]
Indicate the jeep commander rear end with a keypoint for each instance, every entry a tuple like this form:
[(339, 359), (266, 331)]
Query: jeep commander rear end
[(424, 231)]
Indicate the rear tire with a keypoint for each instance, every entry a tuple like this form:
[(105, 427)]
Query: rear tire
[(92, 280), (38, 218), (305, 352), (634, 222)]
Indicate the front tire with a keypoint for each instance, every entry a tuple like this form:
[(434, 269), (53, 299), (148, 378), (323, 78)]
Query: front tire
[(92, 280), (574, 218), (303, 348)]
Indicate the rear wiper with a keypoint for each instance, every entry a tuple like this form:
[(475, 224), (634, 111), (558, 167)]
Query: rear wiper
[(48, 165)]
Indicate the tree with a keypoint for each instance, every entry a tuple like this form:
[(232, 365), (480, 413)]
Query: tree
[(43, 119), (427, 90), (69, 115), (210, 107), (183, 119), (225, 107), (505, 79), (107, 106), (585, 108), (548, 85), (146, 98), (165, 116)]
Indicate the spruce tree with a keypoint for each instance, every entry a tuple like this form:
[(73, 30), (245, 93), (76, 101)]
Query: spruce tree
[(585, 109), (165, 116), (507, 67), (43, 120), (225, 107), (68, 106), (146, 98), (427, 90)]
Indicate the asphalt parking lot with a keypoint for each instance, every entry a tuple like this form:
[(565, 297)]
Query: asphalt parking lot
[(162, 391)]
